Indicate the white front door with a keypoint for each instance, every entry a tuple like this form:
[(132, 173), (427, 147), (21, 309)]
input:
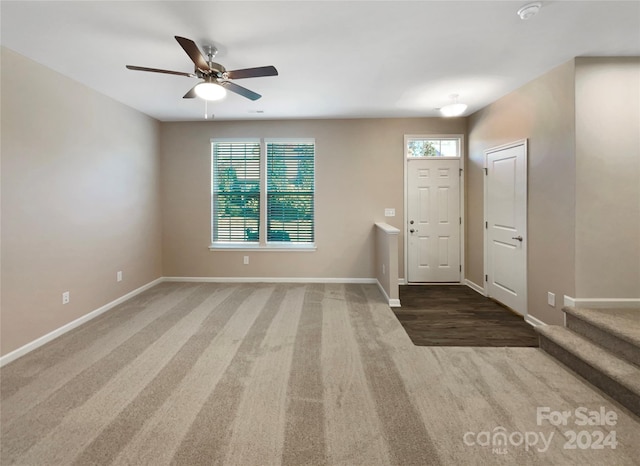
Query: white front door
[(433, 220), (506, 225)]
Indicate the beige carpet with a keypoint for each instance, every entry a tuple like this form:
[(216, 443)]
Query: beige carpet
[(268, 374)]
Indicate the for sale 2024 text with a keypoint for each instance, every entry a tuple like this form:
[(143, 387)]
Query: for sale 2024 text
[(594, 439)]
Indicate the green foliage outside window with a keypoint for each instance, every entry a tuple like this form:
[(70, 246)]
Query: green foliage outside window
[(422, 148)]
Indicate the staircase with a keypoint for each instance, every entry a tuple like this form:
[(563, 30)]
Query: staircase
[(601, 345)]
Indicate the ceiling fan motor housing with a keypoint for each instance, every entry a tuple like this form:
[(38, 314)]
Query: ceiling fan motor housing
[(217, 70)]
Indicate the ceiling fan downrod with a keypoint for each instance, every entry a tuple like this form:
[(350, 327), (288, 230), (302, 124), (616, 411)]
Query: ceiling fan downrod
[(217, 69), (211, 52)]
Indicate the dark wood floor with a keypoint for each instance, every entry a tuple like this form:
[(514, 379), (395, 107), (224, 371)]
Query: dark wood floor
[(454, 315)]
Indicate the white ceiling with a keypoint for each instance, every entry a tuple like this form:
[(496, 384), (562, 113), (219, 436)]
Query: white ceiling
[(336, 59)]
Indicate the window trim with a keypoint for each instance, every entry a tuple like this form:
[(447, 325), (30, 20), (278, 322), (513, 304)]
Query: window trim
[(283, 244), (262, 244), (271, 247)]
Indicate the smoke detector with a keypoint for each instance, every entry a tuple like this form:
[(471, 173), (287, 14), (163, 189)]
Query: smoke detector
[(529, 10)]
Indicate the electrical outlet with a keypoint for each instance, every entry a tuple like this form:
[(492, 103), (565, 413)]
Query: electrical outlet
[(245, 260), (551, 299), (65, 297), (119, 276), (388, 212)]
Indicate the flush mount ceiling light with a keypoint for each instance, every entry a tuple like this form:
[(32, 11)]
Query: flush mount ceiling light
[(529, 10), (210, 90), (454, 109)]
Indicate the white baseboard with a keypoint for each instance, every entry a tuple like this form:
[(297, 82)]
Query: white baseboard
[(364, 281), (15, 354), (533, 321), (603, 303), (391, 302), (402, 281), (475, 287)]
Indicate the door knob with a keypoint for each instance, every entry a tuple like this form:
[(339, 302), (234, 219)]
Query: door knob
[(519, 238), (412, 231), (411, 222)]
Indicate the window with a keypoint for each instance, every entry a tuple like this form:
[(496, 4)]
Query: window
[(236, 191), (263, 193), (436, 147), (290, 191)]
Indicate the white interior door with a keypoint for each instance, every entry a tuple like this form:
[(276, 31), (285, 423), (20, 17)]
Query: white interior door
[(433, 223), (506, 225)]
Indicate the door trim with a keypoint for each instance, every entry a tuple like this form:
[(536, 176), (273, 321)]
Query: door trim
[(524, 143), (462, 200)]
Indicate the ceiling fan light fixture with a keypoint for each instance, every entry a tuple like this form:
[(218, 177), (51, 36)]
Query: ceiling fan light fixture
[(208, 90), (454, 109)]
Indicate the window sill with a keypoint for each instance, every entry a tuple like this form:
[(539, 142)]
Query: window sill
[(278, 247)]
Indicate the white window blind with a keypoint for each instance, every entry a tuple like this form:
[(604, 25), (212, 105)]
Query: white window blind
[(236, 191), (290, 191)]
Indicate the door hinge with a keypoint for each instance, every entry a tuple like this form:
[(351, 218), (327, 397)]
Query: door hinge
[(461, 268), (460, 172), (486, 225), (486, 278), (486, 171), (460, 220)]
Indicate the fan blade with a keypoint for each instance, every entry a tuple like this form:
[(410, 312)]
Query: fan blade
[(240, 90), (156, 70), (193, 51), (191, 94), (253, 72)]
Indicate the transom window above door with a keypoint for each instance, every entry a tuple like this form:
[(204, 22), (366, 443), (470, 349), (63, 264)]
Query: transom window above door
[(433, 147)]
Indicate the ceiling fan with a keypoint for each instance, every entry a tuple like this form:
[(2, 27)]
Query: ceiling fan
[(215, 77)]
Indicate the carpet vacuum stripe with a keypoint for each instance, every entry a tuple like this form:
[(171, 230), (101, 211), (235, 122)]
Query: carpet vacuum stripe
[(192, 374)]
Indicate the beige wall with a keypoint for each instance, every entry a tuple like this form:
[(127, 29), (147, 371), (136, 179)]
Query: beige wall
[(359, 172), (80, 200), (542, 112), (608, 167), (84, 181)]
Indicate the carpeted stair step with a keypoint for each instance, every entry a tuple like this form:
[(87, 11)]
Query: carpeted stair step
[(613, 375), (617, 330)]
